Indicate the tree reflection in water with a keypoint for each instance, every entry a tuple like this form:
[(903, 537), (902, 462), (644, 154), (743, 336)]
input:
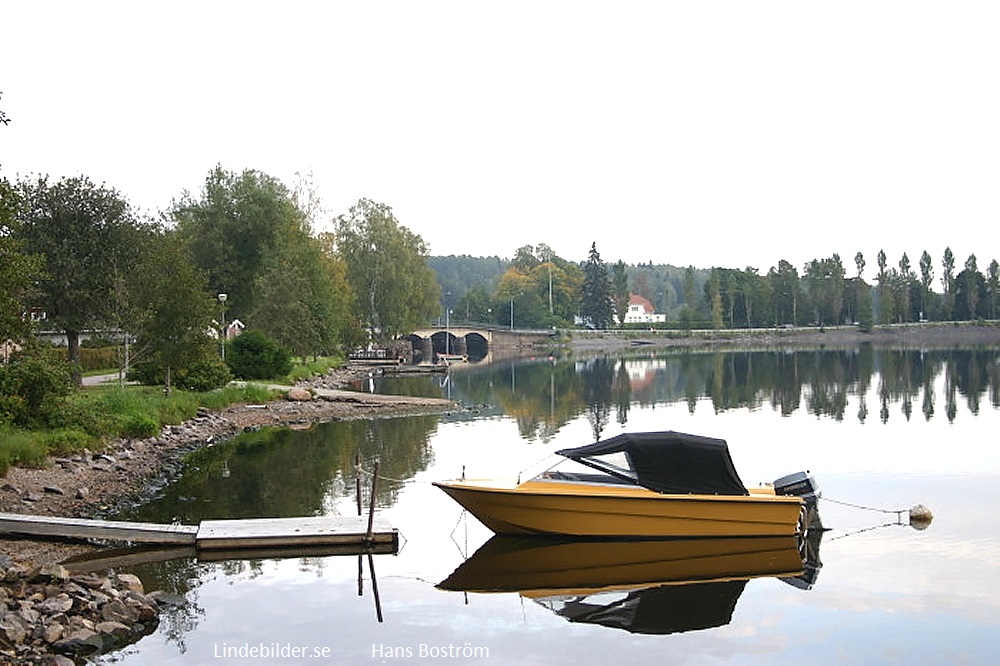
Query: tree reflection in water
[(545, 396)]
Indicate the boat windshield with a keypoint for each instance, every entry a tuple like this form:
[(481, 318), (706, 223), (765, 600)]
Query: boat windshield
[(667, 462), (614, 469)]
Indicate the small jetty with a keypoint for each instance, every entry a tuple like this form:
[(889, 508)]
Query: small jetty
[(336, 534), (375, 357)]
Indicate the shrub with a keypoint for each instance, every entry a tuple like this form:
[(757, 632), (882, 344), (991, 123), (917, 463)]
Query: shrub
[(211, 373), (33, 387), (147, 373), (253, 355), (103, 358), (203, 375)]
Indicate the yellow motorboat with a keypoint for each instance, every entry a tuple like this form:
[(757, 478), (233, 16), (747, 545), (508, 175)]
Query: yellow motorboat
[(648, 485)]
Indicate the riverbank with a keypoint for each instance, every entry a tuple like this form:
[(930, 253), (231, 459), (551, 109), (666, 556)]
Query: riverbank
[(906, 336), (89, 483)]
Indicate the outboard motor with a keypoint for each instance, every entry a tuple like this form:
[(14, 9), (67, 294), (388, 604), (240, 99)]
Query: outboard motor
[(803, 485)]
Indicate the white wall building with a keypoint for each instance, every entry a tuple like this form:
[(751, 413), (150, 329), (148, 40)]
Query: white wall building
[(640, 311)]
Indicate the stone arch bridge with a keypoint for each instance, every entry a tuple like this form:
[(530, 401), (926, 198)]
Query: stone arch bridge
[(476, 342)]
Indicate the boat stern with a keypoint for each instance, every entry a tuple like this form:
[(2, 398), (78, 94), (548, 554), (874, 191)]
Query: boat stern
[(802, 484)]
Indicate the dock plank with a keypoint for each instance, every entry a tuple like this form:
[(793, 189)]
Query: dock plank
[(283, 532), (86, 528), (337, 534)]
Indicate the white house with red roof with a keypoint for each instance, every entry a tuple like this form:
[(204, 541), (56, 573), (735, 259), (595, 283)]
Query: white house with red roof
[(640, 311)]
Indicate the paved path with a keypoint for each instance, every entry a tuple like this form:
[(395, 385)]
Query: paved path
[(96, 380)]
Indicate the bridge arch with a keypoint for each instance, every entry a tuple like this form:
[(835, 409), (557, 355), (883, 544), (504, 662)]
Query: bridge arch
[(477, 342)]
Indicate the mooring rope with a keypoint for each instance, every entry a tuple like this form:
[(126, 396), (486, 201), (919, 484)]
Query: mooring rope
[(898, 512), (360, 470)]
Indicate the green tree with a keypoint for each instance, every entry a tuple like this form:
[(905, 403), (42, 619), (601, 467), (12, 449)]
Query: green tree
[(232, 228), (970, 306), (755, 292), (926, 277), (543, 289), (176, 312), (595, 295), (948, 282), (17, 270), (903, 286), (302, 296), (826, 288), (865, 316), (971, 292), (386, 266), (88, 237), (253, 355), (785, 287), (886, 306), (619, 290), (715, 294), (859, 283), (993, 286), (518, 302)]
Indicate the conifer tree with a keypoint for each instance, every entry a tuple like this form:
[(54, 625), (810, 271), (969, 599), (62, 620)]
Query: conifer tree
[(595, 297)]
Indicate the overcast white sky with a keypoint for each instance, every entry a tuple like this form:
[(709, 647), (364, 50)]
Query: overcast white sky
[(704, 133)]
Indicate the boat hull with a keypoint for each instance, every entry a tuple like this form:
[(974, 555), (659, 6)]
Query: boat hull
[(538, 566), (597, 510)]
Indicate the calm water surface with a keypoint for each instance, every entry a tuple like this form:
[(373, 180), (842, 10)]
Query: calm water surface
[(882, 429)]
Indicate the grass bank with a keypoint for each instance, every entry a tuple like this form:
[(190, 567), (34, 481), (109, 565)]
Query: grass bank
[(91, 418)]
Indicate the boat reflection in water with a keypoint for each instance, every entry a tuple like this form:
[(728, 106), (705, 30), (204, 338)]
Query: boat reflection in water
[(647, 587)]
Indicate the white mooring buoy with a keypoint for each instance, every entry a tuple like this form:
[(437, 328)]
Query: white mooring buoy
[(920, 517)]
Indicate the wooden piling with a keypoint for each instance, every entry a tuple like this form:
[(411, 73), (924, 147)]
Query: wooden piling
[(357, 480), (371, 505)]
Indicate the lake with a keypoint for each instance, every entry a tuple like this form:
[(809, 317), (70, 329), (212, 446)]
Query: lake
[(879, 429)]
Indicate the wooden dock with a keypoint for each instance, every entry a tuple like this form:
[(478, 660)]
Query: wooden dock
[(292, 532), (215, 538)]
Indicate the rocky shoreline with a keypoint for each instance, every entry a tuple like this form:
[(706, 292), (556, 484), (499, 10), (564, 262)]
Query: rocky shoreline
[(50, 616), (89, 483)]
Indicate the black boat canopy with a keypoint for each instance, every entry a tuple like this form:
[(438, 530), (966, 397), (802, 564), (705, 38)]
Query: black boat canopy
[(667, 462)]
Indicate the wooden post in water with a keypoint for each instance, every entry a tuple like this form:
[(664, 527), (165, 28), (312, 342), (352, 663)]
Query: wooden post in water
[(378, 602), (371, 505), (357, 480)]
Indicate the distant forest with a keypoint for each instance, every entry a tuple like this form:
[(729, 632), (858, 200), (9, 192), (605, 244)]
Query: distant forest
[(822, 292)]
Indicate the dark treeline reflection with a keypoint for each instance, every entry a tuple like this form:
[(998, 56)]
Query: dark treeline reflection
[(545, 395), (273, 473), (282, 472)]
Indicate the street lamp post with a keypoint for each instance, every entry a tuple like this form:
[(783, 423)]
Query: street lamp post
[(222, 300), (447, 322)]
